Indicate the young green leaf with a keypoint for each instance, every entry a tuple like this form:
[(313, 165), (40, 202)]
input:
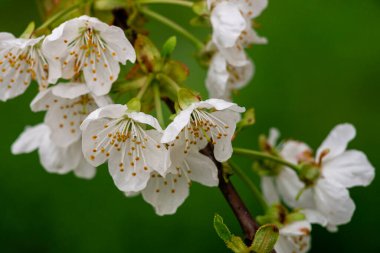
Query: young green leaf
[(265, 239), (169, 46)]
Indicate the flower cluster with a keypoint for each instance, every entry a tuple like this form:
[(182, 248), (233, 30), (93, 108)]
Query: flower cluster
[(230, 68), (319, 189), (80, 115), (77, 67)]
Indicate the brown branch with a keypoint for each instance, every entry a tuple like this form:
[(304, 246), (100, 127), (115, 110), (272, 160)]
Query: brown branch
[(246, 221)]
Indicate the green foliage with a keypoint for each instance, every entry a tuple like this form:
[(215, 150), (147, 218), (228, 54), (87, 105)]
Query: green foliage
[(233, 242), (169, 46), (265, 239)]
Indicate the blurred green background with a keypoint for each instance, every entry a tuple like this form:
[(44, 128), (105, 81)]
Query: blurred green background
[(320, 68)]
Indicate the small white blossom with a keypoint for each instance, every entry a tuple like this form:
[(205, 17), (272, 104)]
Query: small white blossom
[(54, 159), (133, 152), (167, 193), (294, 238), (91, 46), (223, 78), (327, 201), (21, 61), (213, 119), (67, 105), (232, 27)]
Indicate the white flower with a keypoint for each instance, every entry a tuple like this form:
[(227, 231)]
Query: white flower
[(222, 77), (294, 238), (21, 61), (89, 45), (167, 193), (327, 201), (213, 119), (232, 27), (115, 134), (53, 158), (67, 105)]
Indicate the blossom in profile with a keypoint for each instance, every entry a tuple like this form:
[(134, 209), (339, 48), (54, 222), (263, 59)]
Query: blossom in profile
[(223, 78), (211, 120), (232, 27), (130, 141), (54, 159), (325, 197), (21, 61), (87, 45)]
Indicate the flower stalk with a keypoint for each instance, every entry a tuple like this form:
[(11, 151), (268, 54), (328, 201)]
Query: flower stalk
[(197, 43), (263, 156), (174, 2)]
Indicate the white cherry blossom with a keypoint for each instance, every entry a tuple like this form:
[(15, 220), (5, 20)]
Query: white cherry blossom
[(212, 119), (223, 78), (294, 238), (167, 193), (91, 46), (327, 201), (54, 159), (120, 136), (232, 27), (67, 105), (21, 61)]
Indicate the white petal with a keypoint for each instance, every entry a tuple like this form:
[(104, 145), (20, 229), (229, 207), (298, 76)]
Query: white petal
[(296, 228), (349, 169), (145, 119), (113, 111), (289, 185), (166, 194), (223, 146), (228, 23), (219, 105), (217, 77), (179, 122), (337, 141), (85, 170), (333, 202), (70, 90), (30, 139), (42, 101), (235, 56), (273, 136), (294, 151), (59, 160), (201, 169), (315, 217), (269, 190), (116, 40)]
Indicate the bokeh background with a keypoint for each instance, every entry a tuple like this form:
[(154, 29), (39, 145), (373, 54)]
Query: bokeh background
[(320, 68)]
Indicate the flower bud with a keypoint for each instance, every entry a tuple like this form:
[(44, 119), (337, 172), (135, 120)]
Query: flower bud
[(309, 173)]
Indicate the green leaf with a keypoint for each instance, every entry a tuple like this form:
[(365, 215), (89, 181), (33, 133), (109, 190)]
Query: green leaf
[(169, 46), (134, 105), (221, 229), (233, 242), (265, 239), (28, 31)]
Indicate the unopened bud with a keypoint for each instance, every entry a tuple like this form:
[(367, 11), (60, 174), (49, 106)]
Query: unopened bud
[(309, 173)]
